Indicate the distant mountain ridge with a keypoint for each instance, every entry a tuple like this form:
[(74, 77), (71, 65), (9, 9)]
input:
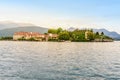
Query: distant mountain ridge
[(8, 28), (11, 31), (113, 35), (9, 24)]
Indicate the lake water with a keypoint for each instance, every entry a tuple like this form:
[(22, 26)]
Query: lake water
[(59, 61)]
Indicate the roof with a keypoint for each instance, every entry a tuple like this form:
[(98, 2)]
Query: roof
[(35, 34)]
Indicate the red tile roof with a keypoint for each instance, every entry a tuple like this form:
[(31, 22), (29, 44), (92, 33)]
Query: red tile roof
[(34, 34)]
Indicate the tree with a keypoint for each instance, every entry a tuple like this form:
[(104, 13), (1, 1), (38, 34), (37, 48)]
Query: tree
[(53, 31), (78, 35), (22, 38), (102, 33), (91, 30), (59, 30), (90, 36), (64, 36), (6, 38), (31, 39), (97, 33)]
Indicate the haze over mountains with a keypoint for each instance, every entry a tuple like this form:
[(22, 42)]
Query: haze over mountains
[(112, 34), (9, 24), (9, 28)]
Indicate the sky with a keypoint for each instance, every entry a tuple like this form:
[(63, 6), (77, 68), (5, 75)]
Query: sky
[(63, 13)]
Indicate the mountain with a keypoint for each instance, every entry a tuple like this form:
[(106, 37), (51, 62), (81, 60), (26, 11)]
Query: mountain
[(113, 35), (71, 29), (8, 28), (11, 31), (9, 24)]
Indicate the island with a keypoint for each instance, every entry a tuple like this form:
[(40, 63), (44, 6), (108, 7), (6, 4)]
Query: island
[(60, 35)]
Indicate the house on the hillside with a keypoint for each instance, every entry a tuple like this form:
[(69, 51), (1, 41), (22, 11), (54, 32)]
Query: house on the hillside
[(28, 35)]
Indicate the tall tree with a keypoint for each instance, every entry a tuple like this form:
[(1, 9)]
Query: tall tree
[(102, 33), (53, 31), (97, 33), (90, 36), (64, 36), (59, 30)]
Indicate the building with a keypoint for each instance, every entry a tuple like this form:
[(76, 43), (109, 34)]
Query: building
[(28, 35), (51, 36), (86, 35), (35, 35), (55, 36)]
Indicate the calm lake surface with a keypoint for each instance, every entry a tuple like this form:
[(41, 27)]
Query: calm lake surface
[(59, 61)]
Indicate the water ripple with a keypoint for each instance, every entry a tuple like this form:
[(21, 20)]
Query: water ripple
[(59, 61)]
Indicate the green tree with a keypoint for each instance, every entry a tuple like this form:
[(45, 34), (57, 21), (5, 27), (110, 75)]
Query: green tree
[(102, 33), (59, 30), (53, 31), (64, 36), (91, 30), (97, 33), (6, 38), (90, 36), (22, 38), (78, 35), (31, 39)]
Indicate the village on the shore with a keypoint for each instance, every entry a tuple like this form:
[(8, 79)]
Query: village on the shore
[(60, 35)]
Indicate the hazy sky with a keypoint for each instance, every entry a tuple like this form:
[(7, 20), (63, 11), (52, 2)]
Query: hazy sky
[(63, 13)]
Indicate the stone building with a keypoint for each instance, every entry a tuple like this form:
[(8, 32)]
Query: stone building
[(35, 35), (28, 35)]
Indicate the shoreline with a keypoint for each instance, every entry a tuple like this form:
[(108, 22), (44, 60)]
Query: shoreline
[(61, 41)]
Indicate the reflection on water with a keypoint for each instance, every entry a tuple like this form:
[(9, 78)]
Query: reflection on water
[(59, 61)]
